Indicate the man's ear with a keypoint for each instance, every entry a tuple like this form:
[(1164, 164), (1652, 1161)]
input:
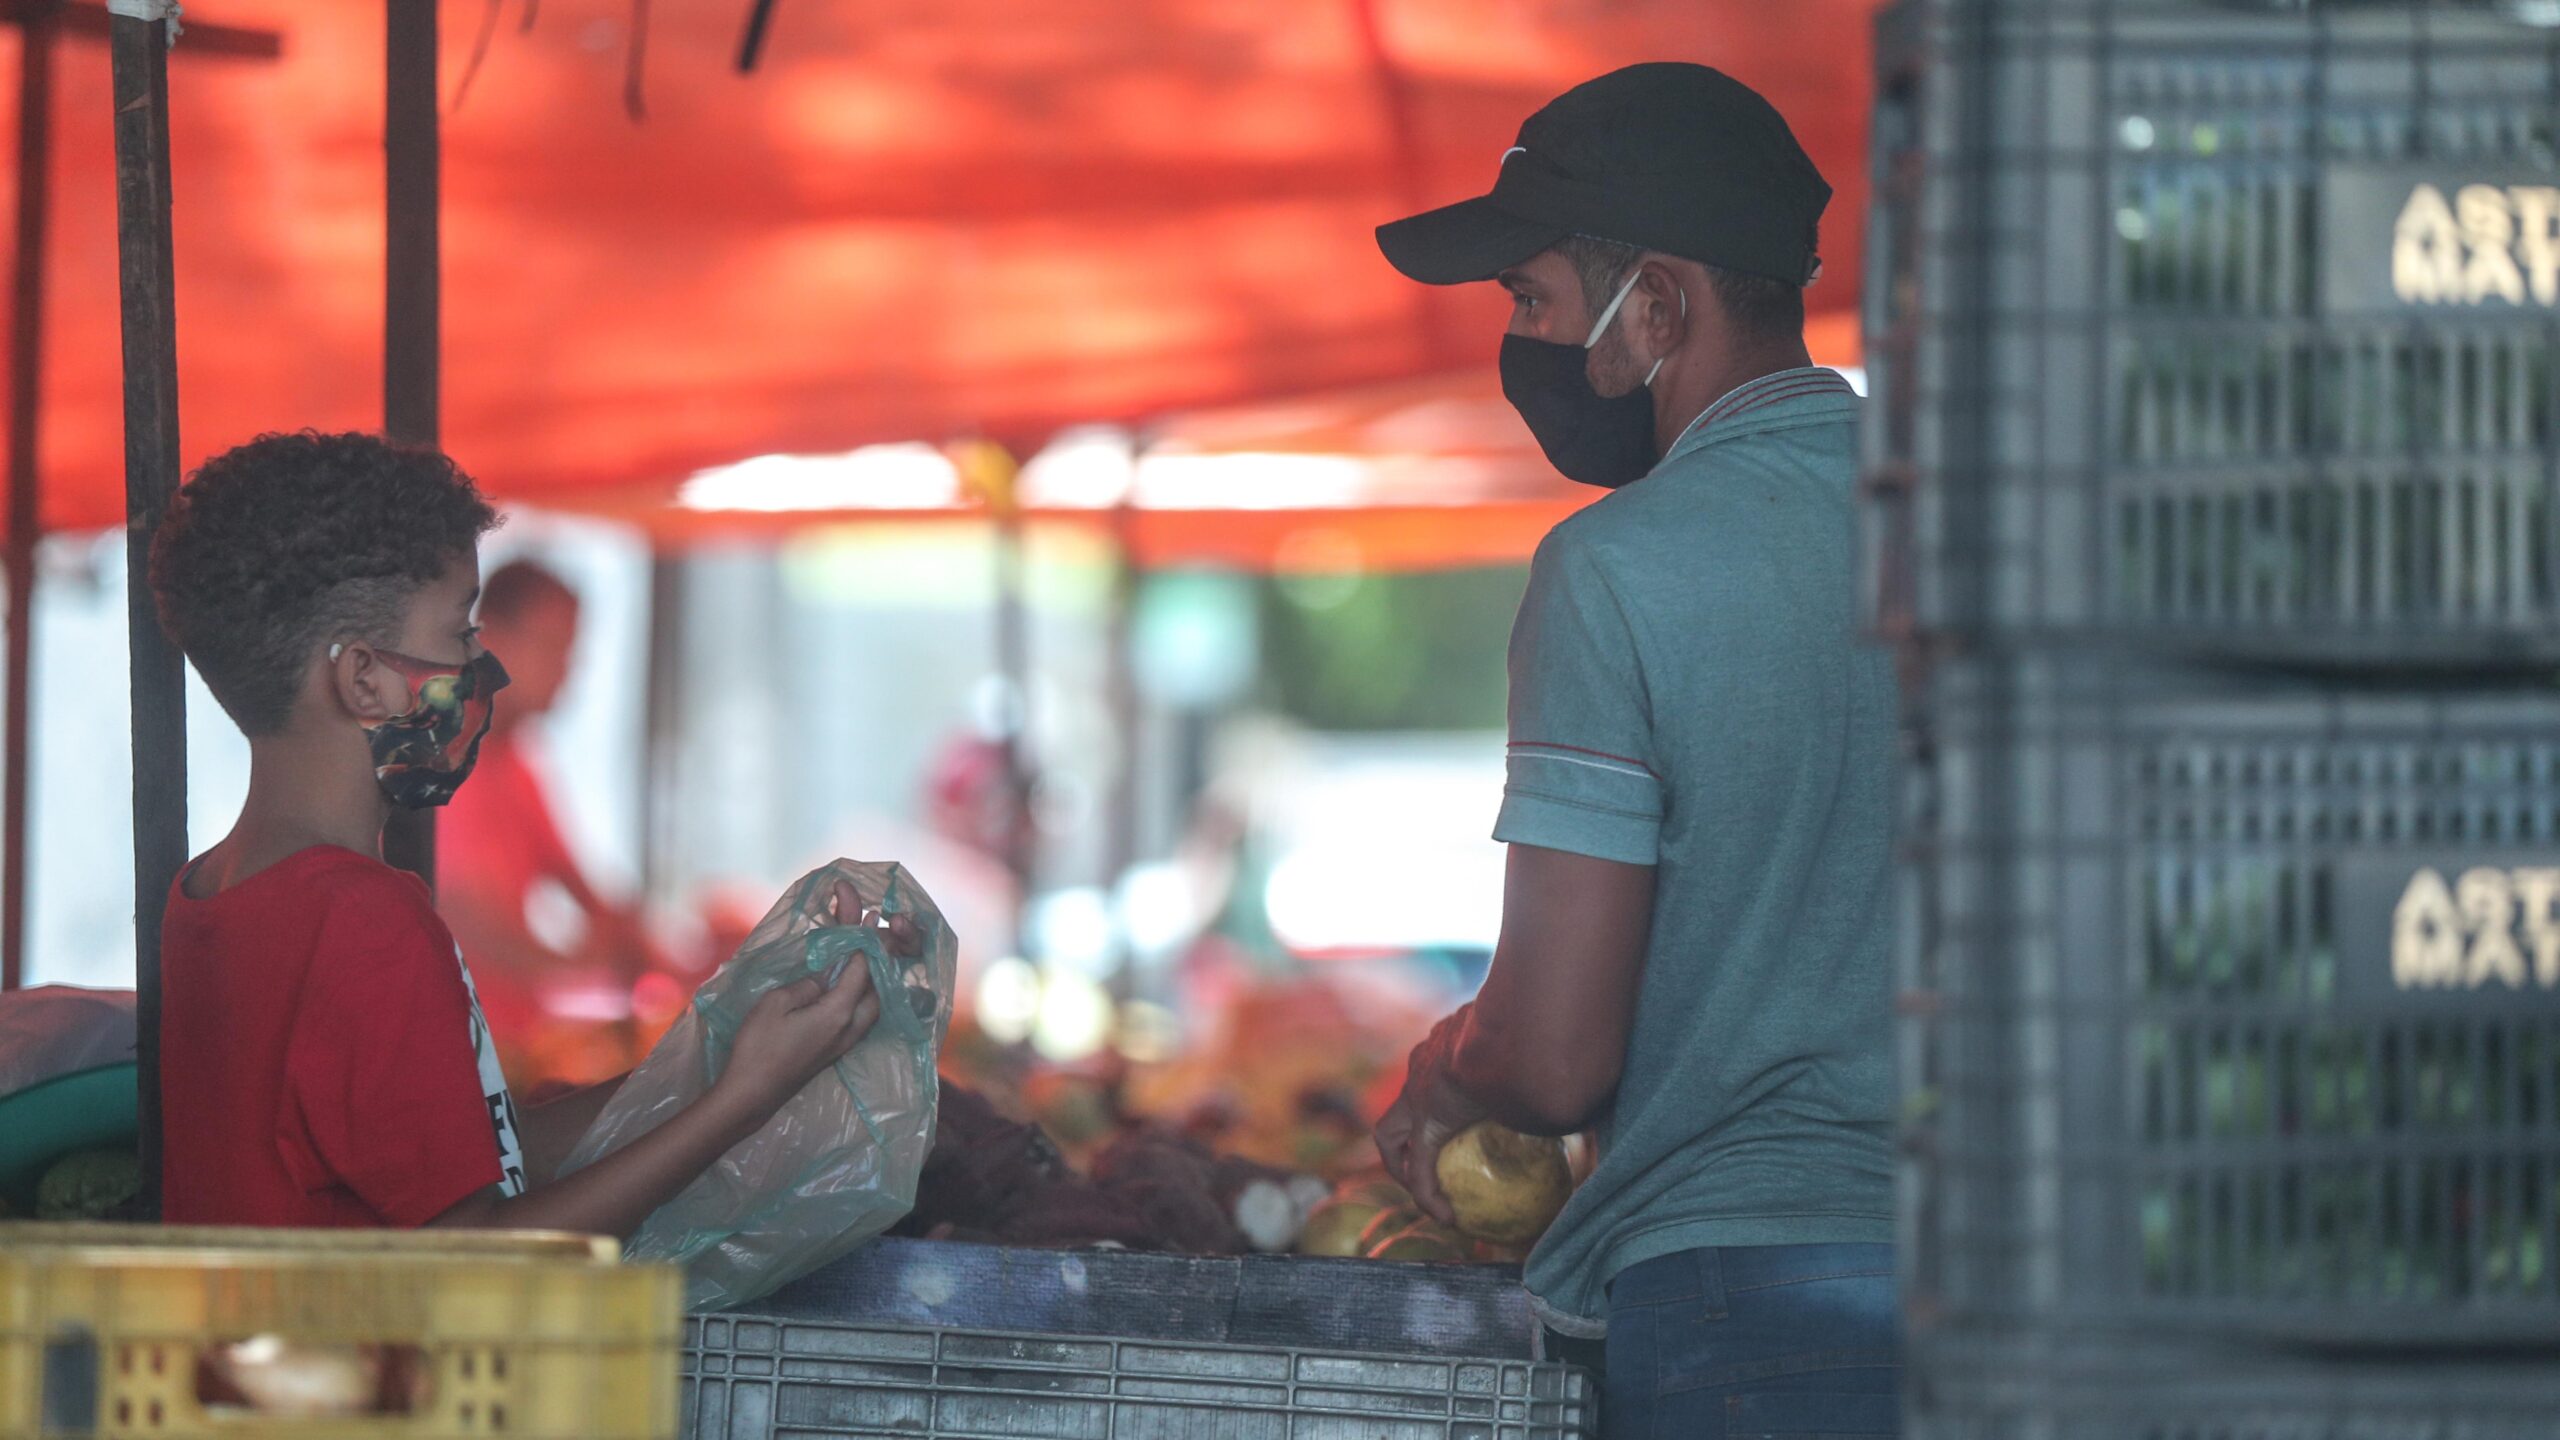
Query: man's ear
[(363, 686), (1665, 313)]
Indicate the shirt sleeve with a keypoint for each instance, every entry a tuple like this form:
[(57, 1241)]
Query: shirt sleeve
[(382, 1063), (1580, 774)]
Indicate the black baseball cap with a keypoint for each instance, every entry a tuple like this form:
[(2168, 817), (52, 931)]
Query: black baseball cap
[(1668, 156)]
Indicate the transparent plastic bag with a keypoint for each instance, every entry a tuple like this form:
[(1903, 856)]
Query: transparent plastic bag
[(838, 1163)]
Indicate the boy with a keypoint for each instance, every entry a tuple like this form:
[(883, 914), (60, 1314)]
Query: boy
[(323, 1058)]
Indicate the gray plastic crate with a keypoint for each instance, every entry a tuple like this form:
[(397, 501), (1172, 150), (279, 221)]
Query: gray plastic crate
[(2033, 1388), (2235, 1006), (2146, 361), (752, 1377), (1308, 1302)]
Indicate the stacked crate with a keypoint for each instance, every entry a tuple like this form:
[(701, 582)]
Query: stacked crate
[(2212, 465), (942, 1340)]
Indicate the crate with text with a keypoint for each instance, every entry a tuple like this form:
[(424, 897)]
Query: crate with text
[(2227, 327), (129, 1330), (2235, 1002)]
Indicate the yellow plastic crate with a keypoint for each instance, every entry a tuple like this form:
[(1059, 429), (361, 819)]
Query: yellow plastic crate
[(137, 1332)]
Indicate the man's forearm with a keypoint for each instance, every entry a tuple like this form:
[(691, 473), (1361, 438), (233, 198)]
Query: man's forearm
[(1501, 1069)]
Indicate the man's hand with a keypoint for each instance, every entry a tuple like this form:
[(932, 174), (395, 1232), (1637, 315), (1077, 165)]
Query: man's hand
[(1427, 1116), (1541, 1047)]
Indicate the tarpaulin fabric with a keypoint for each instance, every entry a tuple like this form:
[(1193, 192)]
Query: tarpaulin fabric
[(917, 219)]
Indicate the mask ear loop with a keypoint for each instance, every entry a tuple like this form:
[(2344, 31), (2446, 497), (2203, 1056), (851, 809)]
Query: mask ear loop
[(1658, 359), (1611, 313)]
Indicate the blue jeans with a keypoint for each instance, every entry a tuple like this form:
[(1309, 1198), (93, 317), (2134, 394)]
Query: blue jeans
[(1765, 1342)]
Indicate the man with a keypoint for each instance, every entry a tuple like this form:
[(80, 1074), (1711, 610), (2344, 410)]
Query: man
[(499, 843), (1696, 924)]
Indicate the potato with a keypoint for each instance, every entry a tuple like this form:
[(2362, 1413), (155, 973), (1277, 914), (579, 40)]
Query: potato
[(1506, 1187)]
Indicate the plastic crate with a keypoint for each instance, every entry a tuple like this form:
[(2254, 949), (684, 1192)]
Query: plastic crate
[(2235, 1006), (2140, 360), (2033, 1388), (1476, 1311), (749, 1377), (103, 1328)]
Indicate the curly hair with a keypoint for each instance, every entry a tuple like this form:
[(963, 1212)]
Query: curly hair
[(290, 542)]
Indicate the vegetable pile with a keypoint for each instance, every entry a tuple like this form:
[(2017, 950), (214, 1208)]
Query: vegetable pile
[(1149, 1186)]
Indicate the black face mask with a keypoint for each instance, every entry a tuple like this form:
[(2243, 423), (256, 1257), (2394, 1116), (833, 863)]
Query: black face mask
[(1604, 440)]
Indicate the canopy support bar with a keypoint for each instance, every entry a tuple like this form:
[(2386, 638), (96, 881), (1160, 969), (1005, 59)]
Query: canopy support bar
[(147, 283), (26, 362), (412, 334)]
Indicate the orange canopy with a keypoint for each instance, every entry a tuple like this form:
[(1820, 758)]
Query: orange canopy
[(918, 219), (1430, 473)]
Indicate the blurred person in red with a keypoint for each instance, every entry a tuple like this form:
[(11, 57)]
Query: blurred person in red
[(968, 830), (559, 998)]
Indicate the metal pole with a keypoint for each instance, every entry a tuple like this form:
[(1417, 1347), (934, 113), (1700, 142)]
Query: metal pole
[(751, 49), (148, 287), (1120, 690), (662, 725), (412, 340), (1013, 662), (26, 359)]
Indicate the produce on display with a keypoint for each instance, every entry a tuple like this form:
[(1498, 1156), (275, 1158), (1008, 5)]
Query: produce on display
[(1506, 1187), (1283, 1072), (995, 1180), (1335, 1229), (1386, 1225), (1152, 1186), (1424, 1241), (1371, 1217), (1254, 1136), (90, 1185)]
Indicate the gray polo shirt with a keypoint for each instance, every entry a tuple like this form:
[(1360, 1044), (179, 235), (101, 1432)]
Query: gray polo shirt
[(1690, 689)]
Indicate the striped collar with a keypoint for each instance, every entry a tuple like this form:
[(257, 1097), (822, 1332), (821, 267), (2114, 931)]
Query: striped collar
[(1751, 396)]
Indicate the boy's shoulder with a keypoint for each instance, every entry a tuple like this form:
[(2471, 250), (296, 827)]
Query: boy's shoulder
[(346, 876), (334, 884), (373, 922), (322, 916)]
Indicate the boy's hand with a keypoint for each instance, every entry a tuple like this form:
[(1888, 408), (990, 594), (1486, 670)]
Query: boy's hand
[(799, 1029), (904, 940), (794, 1031)]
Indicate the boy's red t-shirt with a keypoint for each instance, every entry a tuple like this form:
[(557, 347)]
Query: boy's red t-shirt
[(322, 1058)]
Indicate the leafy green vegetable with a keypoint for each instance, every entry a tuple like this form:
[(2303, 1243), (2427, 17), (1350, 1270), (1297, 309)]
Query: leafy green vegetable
[(89, 1185)]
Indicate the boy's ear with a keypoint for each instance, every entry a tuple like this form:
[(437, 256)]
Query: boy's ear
[(363, 686)]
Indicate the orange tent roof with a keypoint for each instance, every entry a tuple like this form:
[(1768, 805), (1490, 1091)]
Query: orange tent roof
[(1428, 473), (919, 219)]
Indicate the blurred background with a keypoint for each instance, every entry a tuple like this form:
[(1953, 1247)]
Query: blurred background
[(984, 436)]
